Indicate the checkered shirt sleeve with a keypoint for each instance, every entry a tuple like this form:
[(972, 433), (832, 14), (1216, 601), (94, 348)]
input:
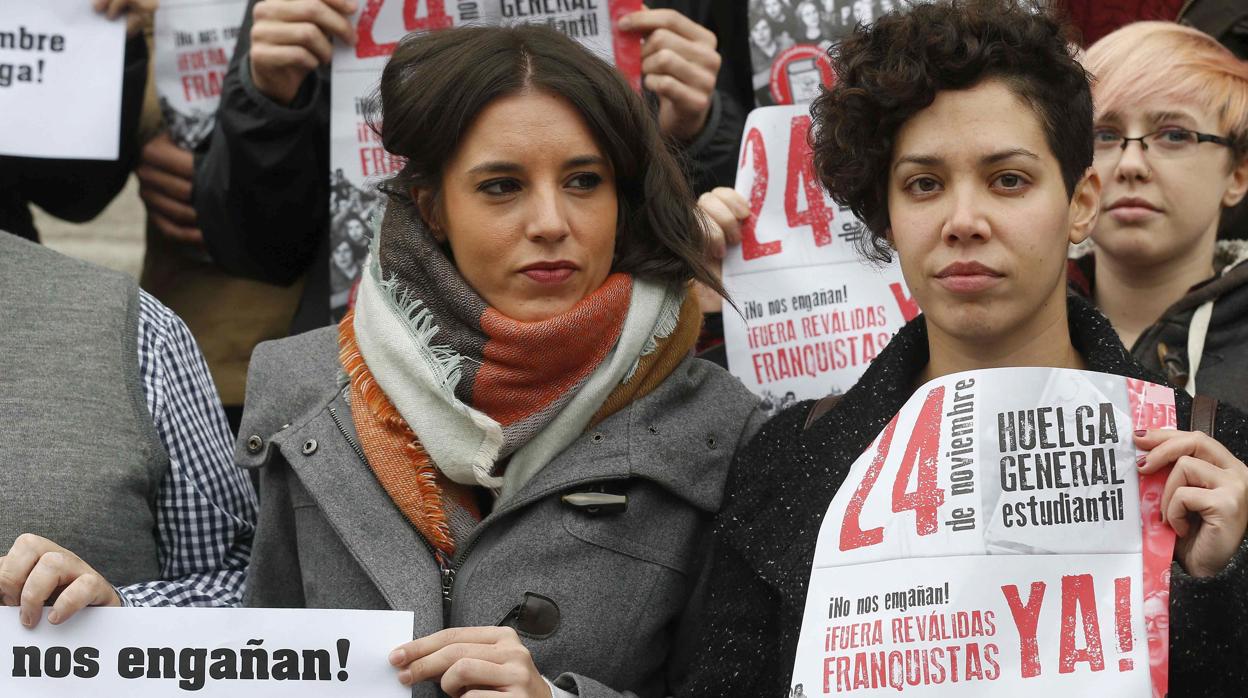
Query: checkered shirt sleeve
[(206, 507)]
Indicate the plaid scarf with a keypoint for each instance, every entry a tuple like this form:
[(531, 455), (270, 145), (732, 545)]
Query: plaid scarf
[(435, 420)]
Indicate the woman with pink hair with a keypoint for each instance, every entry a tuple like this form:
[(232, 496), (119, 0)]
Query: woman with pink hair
[(1171, 149)]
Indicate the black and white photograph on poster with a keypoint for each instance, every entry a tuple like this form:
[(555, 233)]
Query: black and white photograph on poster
[(61, 69), (814, 313), (789, 42), (193, 42), (358, 162)]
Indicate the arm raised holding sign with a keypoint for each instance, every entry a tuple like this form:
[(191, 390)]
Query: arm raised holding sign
[(291, 38)]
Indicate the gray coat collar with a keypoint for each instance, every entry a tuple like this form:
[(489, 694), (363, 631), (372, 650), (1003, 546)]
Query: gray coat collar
[(664, 438)]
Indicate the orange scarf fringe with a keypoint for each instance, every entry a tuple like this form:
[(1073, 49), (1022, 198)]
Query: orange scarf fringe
[(403, 467)]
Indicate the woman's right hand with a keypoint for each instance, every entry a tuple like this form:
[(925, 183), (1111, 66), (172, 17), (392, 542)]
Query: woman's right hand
[(291, 38), (722, 210)]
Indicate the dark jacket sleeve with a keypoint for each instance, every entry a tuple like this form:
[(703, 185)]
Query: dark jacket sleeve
[(734, 646), (261, 187), (711, 159), (77, 190), (1209, 615)]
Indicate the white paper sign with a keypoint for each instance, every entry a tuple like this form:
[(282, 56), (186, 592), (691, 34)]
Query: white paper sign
[(357, 160), (194, 40), (61, 67), (996, 539), (156, 652), (815, 313)]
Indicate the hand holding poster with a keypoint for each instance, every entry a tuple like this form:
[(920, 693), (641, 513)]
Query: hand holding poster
[(357, 159), (149, 652), (61, 66), (815, 314), (1022, 551), (194, 40)]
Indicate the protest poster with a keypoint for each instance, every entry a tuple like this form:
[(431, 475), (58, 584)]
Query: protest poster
[(358, 162), (193, 41), (997, 539), (814, 313), (61, 66), (156, 652), (789, 41)]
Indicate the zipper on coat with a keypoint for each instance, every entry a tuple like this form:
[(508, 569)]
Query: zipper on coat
[(447, 573)]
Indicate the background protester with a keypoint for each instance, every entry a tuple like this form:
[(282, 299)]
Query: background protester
[(272, 135), (1175, 294), (77, 190), (228, 315), (523, 436), (118, 486), (983, 155)]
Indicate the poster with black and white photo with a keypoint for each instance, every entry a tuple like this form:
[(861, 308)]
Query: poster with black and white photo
[(61, 70), (358, 162), (789, 42), (194, 40), (814, 313)]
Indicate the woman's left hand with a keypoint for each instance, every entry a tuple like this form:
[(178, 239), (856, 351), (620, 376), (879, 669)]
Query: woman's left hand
[(1205, 499), (471, 663)]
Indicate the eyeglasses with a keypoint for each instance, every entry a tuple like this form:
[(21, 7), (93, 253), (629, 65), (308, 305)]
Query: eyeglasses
[(1169, 142)]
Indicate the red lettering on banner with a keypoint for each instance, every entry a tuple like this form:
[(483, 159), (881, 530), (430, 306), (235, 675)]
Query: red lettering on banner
[(366, 45), (1079, 599), (1122, 619), (909, 307), (817, 214), (202, 85), (755, 149), (852, 535), (1026, 618), (923, 446)]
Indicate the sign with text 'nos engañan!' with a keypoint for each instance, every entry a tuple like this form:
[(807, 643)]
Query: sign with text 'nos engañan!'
[(210, 652)]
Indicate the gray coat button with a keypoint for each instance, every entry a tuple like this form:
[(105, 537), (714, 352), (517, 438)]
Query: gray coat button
[(309, 447), (254, 444)]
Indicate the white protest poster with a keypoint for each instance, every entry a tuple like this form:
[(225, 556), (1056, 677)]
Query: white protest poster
[(61, 66), (789, 43), (194, 40), (357, 159), (997, 539), (815, 313), (223, 652)]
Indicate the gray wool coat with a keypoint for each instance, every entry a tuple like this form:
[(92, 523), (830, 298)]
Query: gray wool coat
[(599, 596)]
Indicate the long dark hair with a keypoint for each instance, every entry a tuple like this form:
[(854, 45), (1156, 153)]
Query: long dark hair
[(436, 83)]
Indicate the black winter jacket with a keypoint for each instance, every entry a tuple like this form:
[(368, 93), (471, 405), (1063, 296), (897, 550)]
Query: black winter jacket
[(261, 185), (782, 482), (1163, 347), (76, 190)]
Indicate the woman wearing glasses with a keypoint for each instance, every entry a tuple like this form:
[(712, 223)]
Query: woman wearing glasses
[(1172, 154)]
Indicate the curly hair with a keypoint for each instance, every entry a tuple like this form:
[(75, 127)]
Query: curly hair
[(436, 83), (889, 71)]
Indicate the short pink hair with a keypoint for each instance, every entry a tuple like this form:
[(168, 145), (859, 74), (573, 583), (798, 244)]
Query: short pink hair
[(1145, 60)]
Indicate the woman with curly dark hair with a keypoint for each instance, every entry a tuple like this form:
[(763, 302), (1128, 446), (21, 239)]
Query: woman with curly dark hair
[(961, 135)]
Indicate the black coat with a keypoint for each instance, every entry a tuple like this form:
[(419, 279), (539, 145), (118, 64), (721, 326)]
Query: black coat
[(782, 482), (261, 186)]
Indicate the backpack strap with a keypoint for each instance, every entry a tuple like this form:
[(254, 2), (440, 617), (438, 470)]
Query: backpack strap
[(1204, 414), (819, 409)]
